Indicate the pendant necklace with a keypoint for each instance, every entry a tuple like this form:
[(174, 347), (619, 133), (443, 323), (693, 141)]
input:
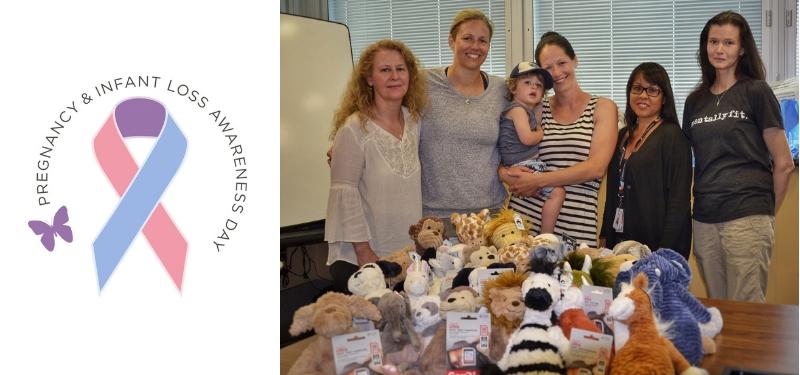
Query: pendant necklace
[(719, 97)]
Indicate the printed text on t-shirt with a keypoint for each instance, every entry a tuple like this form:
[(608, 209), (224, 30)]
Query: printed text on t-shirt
[(719, 117)]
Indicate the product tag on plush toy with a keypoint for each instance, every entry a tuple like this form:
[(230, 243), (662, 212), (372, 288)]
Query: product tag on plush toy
[(589, 351), (518, 222), (357, 353), (596, 302), (619, 220), (467, 342), (362, 324), (568, 243), (488, 274)]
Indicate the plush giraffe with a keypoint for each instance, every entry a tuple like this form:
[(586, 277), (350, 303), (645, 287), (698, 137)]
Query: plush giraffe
[(640, 347), (469, 228)]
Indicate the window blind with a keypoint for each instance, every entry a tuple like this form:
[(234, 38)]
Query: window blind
[(423, 25), (611, 37)]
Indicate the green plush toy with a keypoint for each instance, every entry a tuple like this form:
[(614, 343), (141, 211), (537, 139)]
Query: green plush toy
[(586, 271)]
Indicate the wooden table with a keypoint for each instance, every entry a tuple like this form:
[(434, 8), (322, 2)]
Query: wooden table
[(760, 337)]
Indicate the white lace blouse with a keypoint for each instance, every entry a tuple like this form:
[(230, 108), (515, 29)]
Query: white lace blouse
[(375, 192)]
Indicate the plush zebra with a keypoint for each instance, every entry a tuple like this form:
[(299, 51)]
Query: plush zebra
[(538, 345)]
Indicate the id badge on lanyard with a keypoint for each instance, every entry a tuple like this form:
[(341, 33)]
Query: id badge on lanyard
[(619, 220)]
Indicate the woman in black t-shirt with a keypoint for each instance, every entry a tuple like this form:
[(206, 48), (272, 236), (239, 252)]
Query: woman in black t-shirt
[(742, 161), (650, 174)]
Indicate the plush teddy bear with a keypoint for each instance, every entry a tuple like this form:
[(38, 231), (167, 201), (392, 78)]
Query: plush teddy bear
[(640, 347), (330, 316), (503, 298), (668, 294), (428, 235), (370, 280), (469, 228), (399, 340), (481, 256), (614, 261), (461, 299)]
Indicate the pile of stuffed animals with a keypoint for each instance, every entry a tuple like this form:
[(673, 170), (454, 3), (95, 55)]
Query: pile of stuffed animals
[(660, 328)]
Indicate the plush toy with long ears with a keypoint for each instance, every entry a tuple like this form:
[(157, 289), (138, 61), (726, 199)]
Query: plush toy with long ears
[(370, 280), (419, 278), (330, 316), (399, 340), (402, 259), (643, 350)]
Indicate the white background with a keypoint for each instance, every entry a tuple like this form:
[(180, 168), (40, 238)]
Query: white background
[(53, 318)]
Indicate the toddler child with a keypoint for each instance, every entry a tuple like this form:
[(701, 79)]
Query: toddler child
[(520, 135)]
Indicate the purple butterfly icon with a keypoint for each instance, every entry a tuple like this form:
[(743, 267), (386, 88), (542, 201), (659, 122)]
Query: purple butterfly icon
[(49, 233)]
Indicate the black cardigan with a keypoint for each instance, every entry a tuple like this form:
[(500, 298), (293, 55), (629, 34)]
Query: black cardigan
[(658, 180)]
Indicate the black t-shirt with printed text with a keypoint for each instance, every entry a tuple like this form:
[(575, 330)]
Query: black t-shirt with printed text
[(733, 169)]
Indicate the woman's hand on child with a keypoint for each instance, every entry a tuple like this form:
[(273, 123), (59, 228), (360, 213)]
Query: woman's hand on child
[(524, 183)]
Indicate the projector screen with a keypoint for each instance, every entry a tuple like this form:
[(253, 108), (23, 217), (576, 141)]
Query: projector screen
[(316, 63)]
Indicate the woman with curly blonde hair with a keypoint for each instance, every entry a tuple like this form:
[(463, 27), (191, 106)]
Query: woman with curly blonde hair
[(375, 191)]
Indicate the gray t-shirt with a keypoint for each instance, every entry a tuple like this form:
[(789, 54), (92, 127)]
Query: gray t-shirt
[(733, 170), (458, 147), (512, 151)]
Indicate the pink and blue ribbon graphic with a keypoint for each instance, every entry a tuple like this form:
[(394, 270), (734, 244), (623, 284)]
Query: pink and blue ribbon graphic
[(140, 189)]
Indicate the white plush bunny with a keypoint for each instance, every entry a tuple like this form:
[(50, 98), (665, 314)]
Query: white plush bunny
[(418, 278)]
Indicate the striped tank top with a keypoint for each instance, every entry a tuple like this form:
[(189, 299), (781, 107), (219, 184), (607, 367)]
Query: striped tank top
[(564, 145)]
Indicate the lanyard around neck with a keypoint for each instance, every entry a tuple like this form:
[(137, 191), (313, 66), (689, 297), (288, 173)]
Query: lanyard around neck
[(623, 160)]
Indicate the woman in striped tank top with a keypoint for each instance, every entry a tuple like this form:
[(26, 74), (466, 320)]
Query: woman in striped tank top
[(580, 131)]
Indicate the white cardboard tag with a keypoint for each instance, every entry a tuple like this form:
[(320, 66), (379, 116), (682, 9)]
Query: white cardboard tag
[(488, 274), (596, 302), (357, 353), (589, 351)]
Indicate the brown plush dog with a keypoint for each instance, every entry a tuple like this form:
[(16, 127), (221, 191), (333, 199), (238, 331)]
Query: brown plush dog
[(402, 259), (503, 297), (330, 316)]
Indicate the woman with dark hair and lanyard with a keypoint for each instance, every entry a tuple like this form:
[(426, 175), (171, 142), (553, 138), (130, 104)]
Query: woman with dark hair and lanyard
[(650, 174)]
